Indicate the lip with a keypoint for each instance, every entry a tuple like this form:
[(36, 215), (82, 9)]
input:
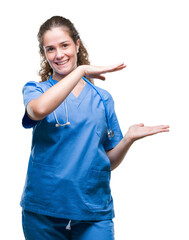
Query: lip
[(62, 63)]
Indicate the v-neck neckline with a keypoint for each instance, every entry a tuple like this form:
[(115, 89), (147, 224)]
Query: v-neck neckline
[(77, 100), (80, 91)]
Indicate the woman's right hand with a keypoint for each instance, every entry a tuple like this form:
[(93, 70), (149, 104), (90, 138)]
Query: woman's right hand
[(39, 108), (97, 71)]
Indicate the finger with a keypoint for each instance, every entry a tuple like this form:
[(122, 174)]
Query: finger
[(113, 68), (140, 124), (101, 77), (116, 67), (159, 130), (163, 128), (120, 65)]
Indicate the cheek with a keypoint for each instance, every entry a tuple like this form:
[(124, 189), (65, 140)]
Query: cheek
[(49, 57), (72, 53), (75, 58)]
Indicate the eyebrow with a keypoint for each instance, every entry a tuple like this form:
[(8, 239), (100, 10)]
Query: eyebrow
[(59, 43)]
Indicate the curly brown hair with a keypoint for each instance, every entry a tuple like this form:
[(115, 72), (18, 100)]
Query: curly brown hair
[(58, 21)]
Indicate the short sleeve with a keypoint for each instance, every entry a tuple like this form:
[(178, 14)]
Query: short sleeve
[(31, 90), (113, 141)]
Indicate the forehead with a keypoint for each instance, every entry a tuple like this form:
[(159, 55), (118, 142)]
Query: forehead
[(55, 36)]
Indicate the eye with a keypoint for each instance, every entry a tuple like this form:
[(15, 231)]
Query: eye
[(65, 45), (50, 49)]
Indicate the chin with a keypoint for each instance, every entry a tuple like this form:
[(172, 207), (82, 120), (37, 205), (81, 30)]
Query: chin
[(61, 74), (64, 72)]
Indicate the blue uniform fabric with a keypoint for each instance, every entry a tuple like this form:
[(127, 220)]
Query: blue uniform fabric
[(69, 172), (37, 226)]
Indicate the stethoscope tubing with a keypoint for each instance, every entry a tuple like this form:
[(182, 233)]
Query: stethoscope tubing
[(109, 130)]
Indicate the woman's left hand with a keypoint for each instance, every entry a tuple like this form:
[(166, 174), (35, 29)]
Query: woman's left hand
[(139, 131)]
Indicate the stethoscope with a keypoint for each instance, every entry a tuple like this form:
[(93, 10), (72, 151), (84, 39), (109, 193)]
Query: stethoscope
[(109, 130)]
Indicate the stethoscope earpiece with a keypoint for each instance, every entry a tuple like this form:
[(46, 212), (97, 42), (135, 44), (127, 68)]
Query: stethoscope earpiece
[(61, 125)]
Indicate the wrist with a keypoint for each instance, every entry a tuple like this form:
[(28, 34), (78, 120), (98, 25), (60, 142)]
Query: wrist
[(82, 70), (129, 139)]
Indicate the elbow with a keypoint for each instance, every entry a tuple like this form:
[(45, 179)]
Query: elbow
[(35, 111), (113, 166)]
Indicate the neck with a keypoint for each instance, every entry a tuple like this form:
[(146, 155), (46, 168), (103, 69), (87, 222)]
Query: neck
[(57, 76)]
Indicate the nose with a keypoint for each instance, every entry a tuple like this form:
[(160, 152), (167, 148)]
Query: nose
[(59, 54)]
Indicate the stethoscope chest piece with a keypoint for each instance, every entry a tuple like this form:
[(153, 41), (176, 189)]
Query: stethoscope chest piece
[(110, 133)]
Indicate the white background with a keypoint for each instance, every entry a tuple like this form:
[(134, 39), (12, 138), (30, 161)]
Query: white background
[(150, 188)]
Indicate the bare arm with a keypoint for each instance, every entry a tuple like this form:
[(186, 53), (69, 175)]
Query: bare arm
[(39, 108), (135, 132)]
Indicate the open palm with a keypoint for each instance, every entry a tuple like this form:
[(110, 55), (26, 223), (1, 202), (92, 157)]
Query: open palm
[(139, 131), (97, 71)]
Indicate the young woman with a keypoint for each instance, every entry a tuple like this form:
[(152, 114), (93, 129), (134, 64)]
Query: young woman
[(76, 142)]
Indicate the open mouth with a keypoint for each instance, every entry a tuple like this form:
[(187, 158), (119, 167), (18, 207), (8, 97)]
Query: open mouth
[(61, 63)]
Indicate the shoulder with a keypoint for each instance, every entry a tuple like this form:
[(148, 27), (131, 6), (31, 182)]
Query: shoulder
[(34, 85), (105, 94)]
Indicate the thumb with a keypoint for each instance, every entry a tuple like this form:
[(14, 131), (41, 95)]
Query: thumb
[(140, 124)]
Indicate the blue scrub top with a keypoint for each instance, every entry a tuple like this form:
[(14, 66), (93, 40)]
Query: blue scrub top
[(69, 172)]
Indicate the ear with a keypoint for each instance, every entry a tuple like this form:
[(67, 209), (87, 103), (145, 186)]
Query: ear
[(77, 45)]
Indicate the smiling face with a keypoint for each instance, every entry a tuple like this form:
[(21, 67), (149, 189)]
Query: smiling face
[(60, 51)]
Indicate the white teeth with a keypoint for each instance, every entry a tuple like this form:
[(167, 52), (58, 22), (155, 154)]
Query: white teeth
[(62, 63)]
